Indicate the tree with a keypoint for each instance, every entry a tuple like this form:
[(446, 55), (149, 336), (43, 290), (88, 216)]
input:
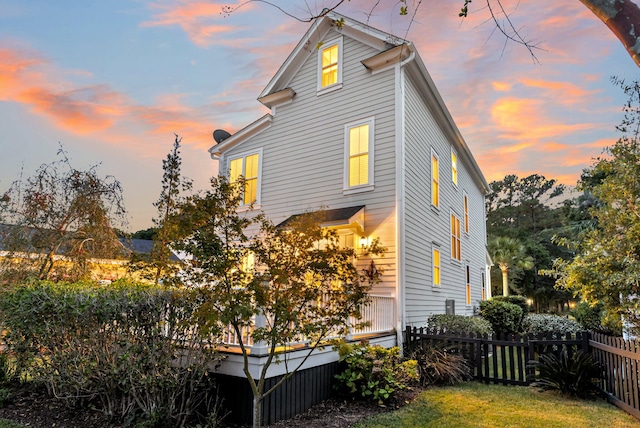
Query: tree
[(621, 16), (509, 253), (62, 211), (606, 267), (166, 228), (269, 285)]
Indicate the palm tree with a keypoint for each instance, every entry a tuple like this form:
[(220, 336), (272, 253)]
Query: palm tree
[(508, 253)]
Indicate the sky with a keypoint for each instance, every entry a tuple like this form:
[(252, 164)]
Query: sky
[(113, 81)]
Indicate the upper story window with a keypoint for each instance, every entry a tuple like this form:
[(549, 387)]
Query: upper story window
[(465, 199), (435, 180), (359, 156), (435, 267), (455, 238), (454, 167), (247, 166), (330, 66)]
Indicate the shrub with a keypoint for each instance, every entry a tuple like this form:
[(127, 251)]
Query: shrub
[(439, 365), (459, 324), (547, 323), (373, 372), (594, 318), (572, 376), (135, 352), (505, 318)]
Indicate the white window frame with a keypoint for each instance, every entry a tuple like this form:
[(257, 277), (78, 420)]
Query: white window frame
[(435, 248), (467, 287), (433, 179), (324, 89), (244, 155), (455, 170), (347, 189), (465, 209), (459, 238)]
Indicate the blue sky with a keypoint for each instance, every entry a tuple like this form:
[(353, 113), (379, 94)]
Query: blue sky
[(113, 81)]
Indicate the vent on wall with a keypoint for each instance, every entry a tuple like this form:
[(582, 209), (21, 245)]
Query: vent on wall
[(450, 307)]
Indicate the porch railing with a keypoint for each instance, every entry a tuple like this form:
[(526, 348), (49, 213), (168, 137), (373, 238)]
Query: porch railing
[(378, 316)]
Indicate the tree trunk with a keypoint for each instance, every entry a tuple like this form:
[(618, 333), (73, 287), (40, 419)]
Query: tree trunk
[(505, 282), (623, 18), (257, 411)]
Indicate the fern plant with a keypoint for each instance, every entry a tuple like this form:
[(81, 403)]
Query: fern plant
[(571, 375)]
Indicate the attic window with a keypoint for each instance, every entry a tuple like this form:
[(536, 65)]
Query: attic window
[(330, 66)]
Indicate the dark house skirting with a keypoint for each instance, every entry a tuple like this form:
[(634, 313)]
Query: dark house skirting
[(299, 393)]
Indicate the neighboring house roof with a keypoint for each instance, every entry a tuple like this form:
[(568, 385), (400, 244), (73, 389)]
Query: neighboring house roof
[(335, 217), (392, 49)]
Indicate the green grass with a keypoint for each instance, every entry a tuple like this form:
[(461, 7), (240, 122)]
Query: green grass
[(5, 423), (477, 405)]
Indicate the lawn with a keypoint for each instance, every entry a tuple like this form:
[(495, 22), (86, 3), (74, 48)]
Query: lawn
[(476, 405)]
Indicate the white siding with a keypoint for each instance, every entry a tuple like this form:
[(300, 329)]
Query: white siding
[(303, 150), (426, 226)]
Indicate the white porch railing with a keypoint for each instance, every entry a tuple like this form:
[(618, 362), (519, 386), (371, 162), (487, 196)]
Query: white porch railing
[(378, 316)]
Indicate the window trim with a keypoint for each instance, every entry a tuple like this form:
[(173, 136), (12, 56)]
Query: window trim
[(338, 41), (435, 180), (454, 167), (347, 189), (465, 209), (435, 284), (457, 256), (244, 155), (468, 285)]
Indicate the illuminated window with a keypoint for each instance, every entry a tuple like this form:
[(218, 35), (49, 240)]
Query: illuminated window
[(248, 167), (435, 180), (466, 212), (436, 267), (468, 299), (484, 290), (455, 237), (359, 155), (330, 65), (454, 167)]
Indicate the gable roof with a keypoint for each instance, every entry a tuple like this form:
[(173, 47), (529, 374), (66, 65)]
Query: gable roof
[(392, 50)]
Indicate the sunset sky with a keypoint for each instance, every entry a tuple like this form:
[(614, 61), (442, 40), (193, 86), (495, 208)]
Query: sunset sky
[(112, 81)]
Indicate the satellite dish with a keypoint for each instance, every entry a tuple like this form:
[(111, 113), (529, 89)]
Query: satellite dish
[(220, 135)]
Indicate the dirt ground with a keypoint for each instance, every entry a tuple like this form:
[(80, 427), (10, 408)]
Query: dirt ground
[(35, 409)]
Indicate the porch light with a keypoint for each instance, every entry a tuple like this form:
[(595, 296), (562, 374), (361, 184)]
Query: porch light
[(363, 243)]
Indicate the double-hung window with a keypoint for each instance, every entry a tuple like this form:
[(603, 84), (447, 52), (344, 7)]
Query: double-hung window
[(248, 167), (455, 238), (435, 254), (435, 180), (454, 167), (465, 201), (359, 156), (468, 287), (330, 65)]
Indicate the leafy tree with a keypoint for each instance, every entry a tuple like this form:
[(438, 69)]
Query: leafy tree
[(166, 228), (148, 233), (61, 211), (606, 267), (508, 253), (270, 286)]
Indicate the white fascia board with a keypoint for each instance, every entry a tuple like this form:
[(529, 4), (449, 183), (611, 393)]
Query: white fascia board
[(298, 56), (318, 30), (239, 137), (441, 113)]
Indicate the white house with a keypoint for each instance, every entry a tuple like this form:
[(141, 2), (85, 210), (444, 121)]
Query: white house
[(358, 128)]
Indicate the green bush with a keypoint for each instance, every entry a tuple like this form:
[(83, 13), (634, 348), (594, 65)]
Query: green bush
[(459, 324), (573, 376), (505, 318), (373, 372), (594, 318), (547, 323), (133, 351), (439, 365)]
